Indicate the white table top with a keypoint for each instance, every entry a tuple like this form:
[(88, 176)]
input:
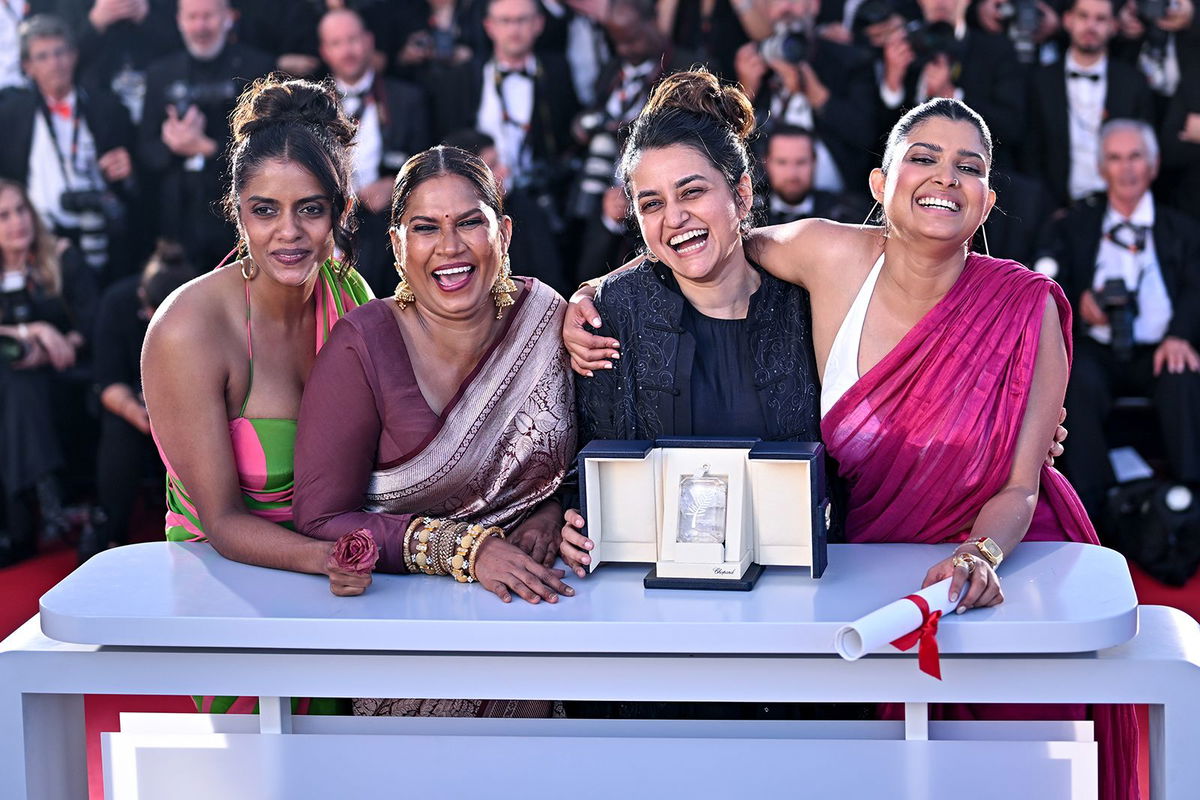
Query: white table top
[(1060, 598)]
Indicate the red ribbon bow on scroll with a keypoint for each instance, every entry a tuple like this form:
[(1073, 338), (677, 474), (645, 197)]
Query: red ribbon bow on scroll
[(926, 634)]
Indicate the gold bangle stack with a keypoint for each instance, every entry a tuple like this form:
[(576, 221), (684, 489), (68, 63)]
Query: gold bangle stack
[(445, 547)]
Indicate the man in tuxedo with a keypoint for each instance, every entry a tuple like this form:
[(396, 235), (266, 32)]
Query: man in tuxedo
[(524, 100), (185, 126), (789, 164), (945, 58), (829, 91), (1108, 248), (392, 125), (1072, 99), (67, 145)]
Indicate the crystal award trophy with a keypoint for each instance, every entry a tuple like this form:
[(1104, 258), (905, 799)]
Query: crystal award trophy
[(702, 501)]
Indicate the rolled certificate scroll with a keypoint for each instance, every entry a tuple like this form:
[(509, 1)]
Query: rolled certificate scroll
[(908, 621)]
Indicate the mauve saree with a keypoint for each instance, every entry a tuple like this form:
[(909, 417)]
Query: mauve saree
[(928, 435), (371, 453)]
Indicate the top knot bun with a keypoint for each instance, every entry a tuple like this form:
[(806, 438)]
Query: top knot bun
[(700, 92), (276, 100)]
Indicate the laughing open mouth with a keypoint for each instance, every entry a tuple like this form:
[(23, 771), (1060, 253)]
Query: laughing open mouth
[(689, 241)]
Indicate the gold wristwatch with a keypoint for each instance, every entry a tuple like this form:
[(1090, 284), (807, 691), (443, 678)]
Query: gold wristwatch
[(989, 550)]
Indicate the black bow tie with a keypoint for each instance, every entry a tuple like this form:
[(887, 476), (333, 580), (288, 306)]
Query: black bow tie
[(1128, 235), (1094, 77), (504, 73)]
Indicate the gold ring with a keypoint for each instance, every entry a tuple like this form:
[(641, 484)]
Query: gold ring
[(964, 560)]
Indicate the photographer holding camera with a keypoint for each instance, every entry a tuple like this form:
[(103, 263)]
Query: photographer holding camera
[(47, 304), (642, 56), (939, 56), (1032, 25), (525, 101), (796, 78), (189, 96), (1132, 268), (1160, 31), (70, 147)]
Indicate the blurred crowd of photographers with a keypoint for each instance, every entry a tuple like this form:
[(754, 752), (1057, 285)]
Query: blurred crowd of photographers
[(114, 115)]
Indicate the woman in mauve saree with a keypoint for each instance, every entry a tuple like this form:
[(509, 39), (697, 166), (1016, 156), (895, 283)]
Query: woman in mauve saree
[(446, 409)]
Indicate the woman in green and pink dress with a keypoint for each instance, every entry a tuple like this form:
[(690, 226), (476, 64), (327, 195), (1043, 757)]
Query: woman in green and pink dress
[(227, 355)]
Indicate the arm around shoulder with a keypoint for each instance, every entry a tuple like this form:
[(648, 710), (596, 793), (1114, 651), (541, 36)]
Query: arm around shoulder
[(798, 252)]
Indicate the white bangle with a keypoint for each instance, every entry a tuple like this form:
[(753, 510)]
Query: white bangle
[(23, 332)]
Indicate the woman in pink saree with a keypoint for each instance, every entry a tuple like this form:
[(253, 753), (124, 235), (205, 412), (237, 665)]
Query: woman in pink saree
[(943, 372)]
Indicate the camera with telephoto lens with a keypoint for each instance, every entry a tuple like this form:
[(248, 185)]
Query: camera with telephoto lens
[(99, 215), (1021, 19), (1151, 11), (12, 349), (1120, 306), (1155, 39), (182, 95), (931, 39), (599, 164), (788, 43), (103, 202)]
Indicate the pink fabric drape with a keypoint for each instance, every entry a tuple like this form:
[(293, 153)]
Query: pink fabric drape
[(928, 435)]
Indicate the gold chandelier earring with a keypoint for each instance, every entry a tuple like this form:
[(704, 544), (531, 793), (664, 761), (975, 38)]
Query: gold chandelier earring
[(503, 288), (403, 295)]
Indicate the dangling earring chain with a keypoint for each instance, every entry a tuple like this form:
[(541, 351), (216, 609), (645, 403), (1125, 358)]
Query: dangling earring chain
[(403, 295), (504, 287)]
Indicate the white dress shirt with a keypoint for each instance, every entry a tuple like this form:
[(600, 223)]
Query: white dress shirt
[(794, 109), (1140, 270), (12, 13), (368, 139), (1085, 114), (47, 178), (509, 131)]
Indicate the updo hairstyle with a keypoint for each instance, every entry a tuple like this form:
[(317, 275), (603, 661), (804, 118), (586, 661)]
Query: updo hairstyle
[(302, 122), (443, 160), (694, 109), (938, 108)]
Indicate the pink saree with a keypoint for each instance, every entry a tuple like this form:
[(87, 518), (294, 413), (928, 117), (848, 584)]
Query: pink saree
[(927, 436)]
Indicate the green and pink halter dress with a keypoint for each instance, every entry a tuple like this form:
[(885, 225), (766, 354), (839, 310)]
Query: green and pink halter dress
[(263, 450)]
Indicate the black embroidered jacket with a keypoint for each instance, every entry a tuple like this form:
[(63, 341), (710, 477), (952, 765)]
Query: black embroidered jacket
[(647, 394)]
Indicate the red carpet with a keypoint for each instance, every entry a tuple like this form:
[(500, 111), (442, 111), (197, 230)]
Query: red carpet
[(22, 585)]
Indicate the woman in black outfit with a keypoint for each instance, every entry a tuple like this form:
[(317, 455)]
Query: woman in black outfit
[(47, 301)]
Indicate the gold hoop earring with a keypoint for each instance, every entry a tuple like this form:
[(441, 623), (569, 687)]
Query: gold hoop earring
[(249, 269), (403, 295), (503, 288)]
